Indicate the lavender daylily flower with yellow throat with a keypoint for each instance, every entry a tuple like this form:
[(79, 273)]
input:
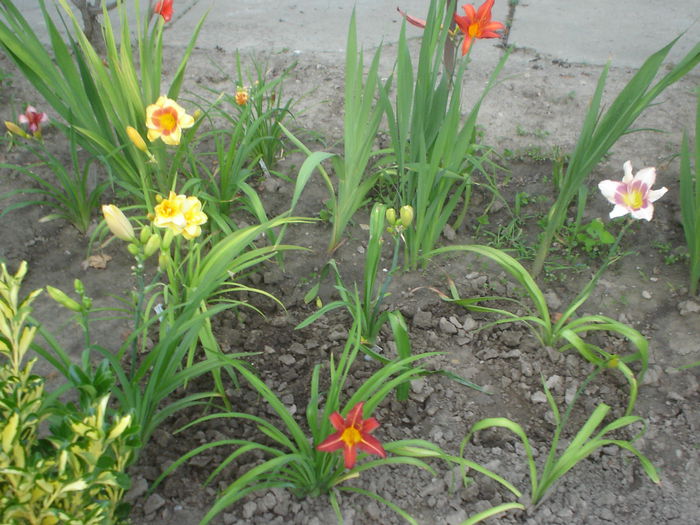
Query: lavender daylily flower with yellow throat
[(633, 194)]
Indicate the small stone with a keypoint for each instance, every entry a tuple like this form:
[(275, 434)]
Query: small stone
[(138, 489), (287, 359), (249, 509), (417, 385), (646, 294), (469, 324), (153, 503), (297, 348), (688, 307), (423, 319), (555, 383), (553, 300), (449, 232), (539, 397), (447, 327)]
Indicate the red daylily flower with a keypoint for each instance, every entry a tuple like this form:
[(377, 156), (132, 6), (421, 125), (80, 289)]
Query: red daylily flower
[(352, 433), (164, 8), (33, 119), (477, 24)]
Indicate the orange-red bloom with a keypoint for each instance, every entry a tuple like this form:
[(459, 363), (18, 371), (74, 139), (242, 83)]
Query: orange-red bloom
[(477, 24), (164, 8), (352, 433)]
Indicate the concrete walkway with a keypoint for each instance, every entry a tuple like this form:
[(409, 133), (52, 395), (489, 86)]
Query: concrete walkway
[(592, 32)]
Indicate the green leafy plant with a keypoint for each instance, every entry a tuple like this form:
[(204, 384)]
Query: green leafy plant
[(601, 130), (433, 150), (366, 307), (74, 195), (587, 440), (563, 331), (146, 380), (690, 200), (99, 99), (593, 236), (222, 177), (295, 461), (362, 116), (367, 303), (268, 104), (73, 473)]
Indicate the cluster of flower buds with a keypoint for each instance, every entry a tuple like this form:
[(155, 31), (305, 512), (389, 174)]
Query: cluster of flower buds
[(146, 244), (400, 223)]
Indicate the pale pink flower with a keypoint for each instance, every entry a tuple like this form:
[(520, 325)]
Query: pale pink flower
[(33, 119), (634, 194)]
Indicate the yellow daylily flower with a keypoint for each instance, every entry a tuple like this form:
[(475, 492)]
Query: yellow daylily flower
[(166, 119)]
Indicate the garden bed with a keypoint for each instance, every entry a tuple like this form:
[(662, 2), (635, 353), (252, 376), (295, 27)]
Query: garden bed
[(539, 106)]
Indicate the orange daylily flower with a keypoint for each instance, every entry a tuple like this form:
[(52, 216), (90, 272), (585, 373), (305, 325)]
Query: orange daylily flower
[(165, 119), (352, 433), (241, 96), (164, 8), (477, 24)]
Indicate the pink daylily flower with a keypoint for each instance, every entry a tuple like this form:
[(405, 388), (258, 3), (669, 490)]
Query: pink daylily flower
[(634, 194), (33, 119)]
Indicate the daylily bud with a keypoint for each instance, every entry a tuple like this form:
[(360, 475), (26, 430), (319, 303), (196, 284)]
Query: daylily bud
[(136, 138), (62, 299), (79, 287), (117, 222), (167, 239), (197, 113), (391, 216), (16, 130), (613, 362), (406, 214), (133, 249), (145, 234), (163, 261), (152, 245), (417, 452)]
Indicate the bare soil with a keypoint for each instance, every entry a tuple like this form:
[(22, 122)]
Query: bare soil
[(538, 107)]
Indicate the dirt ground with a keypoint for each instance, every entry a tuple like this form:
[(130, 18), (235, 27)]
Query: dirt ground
[(538, 107)]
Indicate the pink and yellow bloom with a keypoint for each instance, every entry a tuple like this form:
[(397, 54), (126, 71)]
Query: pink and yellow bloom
[(633, 194), (164, 8), (352, 433), (33, 120), (477, 24), (166, 119), (181, 214)]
